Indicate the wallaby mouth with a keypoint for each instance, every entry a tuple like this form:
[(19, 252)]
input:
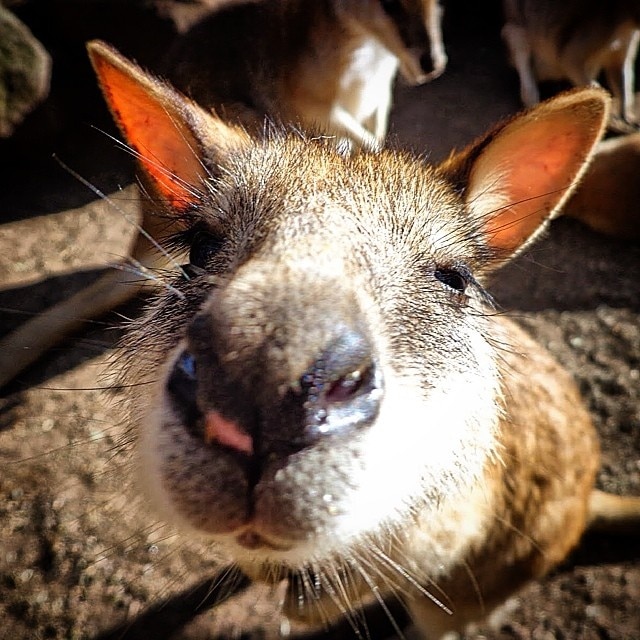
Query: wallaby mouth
[(253, 541)]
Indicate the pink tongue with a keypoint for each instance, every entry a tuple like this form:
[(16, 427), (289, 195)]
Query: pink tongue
[(226, 432)]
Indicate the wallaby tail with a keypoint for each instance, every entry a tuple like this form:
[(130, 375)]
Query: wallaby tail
[(614, 514)]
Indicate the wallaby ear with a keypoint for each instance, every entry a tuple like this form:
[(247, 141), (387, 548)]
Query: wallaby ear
[(518, 176), (170, 134)]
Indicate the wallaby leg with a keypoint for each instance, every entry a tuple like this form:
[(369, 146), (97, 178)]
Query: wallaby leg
[(433, 26), (342, 119), (620, 72), (381, 121), (517, 42), (378, 121), (32, 339)]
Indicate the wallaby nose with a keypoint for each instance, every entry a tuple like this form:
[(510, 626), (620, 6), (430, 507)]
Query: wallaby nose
[(236, 397), (338, 393)]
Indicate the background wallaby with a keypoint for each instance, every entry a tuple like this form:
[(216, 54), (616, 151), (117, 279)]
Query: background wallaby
[(325, 389), (608, 200), (329, 64), (575, 40)]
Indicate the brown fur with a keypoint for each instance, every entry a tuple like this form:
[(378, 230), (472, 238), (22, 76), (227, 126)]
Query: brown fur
[(536, 522), (325, 391), (608, 199)]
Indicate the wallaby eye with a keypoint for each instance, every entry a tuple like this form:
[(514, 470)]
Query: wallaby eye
[(454, 278), (204, 247)]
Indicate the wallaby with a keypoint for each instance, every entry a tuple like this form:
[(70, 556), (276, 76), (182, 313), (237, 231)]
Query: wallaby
[(608, 199), (325, 390), (327, 64), (575, 40)]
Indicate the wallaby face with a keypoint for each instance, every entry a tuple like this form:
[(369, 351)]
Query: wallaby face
[(575, 41), (298, 358), (325, 389)]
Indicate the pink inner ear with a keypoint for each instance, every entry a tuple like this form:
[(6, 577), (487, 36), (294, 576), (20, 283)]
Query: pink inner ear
[(525, 173), (154, 128)]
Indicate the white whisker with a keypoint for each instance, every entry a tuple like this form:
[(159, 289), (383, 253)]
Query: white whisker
[(375, 590), (312, 596), (352, 614), (123, 213), (140, 270), (401, 570), (134, 153)]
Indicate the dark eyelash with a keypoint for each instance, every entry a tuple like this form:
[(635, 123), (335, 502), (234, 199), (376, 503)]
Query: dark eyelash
[(455, 278), (461, 275), (205, 245)]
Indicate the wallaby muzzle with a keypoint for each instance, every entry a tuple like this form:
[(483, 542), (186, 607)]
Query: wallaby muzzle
[(265, 381)]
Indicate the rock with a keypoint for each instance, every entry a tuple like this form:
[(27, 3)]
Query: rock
[(25, 72)]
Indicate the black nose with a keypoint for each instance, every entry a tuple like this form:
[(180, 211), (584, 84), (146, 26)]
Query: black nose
[(426, 63), (233, 398), (340, 392)]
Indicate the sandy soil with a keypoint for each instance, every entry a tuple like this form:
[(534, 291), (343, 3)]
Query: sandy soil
[(80, 556)]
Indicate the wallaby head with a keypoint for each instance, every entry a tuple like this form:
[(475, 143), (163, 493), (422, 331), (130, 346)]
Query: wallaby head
[(323, 372)]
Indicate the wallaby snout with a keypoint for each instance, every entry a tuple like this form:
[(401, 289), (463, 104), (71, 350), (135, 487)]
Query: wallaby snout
[(271, 370), (426, 63)]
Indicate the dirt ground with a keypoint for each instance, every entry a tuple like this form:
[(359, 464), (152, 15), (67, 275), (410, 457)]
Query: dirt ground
[(80, 556)]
